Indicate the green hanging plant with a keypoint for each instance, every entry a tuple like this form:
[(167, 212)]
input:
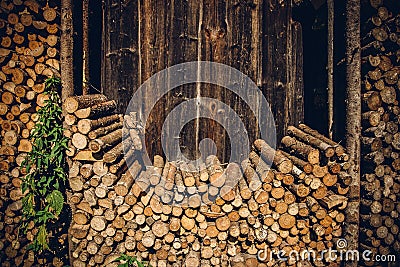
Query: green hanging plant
[(129, 261), (45, 167)]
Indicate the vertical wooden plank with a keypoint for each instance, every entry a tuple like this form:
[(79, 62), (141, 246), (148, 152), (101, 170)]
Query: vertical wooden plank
[(281, 55), (275, 83), (213, 48), (168, 36), (153, 33), (109, 77), (120, 79), (256, 42), (174, 56), (184, 42), (128, 52), (289, 88), (244, 42)]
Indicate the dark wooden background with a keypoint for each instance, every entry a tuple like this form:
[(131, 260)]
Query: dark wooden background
[(257, 37)]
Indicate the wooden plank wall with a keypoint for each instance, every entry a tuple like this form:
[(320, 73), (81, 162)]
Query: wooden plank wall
[(257, 37)]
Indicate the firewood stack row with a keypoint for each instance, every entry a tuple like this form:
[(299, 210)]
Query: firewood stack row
[(319, 168), (28, 56), (100, 150), (380, 221), (176, 213)]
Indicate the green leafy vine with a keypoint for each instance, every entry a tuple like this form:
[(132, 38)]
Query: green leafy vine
[(129, 261), (45, 167)]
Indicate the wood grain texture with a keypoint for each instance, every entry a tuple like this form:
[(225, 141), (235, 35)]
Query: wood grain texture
[(258, 38)]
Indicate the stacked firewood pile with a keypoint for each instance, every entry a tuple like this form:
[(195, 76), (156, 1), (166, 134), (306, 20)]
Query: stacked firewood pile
[(315, 171), (379, 222), (28, 56), (174, 213), (100, 150)]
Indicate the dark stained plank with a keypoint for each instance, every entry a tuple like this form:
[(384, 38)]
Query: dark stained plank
[(244, 20), (183, 44), (121, 56), (154, 35), (213, 48), (278, 81)]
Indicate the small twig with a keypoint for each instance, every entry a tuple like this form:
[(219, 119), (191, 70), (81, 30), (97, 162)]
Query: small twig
[(92, 86)]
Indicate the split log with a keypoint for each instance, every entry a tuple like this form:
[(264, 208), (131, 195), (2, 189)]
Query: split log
[(72, 104), (283, 164), (107, 140), (104, 108), (124, 184), (307, 152)]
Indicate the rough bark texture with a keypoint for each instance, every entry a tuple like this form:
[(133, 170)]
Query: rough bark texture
[(66, 49), (85, 44), (353, 123)]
